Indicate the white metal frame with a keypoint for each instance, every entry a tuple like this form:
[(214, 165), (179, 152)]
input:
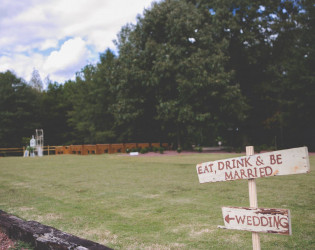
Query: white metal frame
[(39, 142)]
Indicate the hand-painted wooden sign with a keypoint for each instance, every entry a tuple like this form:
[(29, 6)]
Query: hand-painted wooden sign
[(261, 220), (282, 162)]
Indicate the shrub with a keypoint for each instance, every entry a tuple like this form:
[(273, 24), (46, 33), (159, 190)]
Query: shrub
[(161, 150), (144, 150), (198, 149), (229, 149), (264, 147), (179, 149), (238, 150)]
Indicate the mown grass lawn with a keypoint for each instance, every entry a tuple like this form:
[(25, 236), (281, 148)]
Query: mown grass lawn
[(149, 202)]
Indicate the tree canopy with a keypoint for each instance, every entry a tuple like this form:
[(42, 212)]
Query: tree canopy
[(188, 72)]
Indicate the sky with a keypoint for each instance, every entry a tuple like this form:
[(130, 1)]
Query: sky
[(59, 37)]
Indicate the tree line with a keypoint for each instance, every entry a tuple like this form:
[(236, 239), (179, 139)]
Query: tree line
[(188, 72)]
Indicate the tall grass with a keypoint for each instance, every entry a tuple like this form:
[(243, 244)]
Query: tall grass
[(149, 202)]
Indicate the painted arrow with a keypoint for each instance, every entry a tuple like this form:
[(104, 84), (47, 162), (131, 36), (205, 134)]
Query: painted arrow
[(228, 219)]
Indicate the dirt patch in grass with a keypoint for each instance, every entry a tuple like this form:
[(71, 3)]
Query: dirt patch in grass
[(49, 217), (104, 236), (203, 231), (157, 246), (23, 209)]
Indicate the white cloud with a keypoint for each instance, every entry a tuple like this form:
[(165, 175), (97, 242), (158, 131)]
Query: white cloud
[(48, 43), (72, 56), (21, 64), (76, 30)]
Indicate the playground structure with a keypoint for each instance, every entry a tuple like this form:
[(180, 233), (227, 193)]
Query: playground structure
[(36, 145)]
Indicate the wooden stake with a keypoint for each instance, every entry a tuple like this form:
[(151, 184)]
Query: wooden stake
[(253, 200)]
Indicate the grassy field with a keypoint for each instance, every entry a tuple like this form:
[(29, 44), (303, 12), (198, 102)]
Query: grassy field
[(149, 202)]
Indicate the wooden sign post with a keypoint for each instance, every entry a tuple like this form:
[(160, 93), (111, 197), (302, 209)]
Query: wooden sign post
[(254, 219), (253, 201)]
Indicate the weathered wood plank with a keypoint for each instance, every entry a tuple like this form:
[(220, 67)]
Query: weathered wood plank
[(282, 162), (43, 237), (260, 220)]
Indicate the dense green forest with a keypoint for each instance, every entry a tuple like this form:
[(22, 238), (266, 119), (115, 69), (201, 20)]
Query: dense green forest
[(188, 72)]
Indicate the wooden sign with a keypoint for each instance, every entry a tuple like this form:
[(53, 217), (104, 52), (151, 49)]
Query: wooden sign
[(260, 220), (282, 162)]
